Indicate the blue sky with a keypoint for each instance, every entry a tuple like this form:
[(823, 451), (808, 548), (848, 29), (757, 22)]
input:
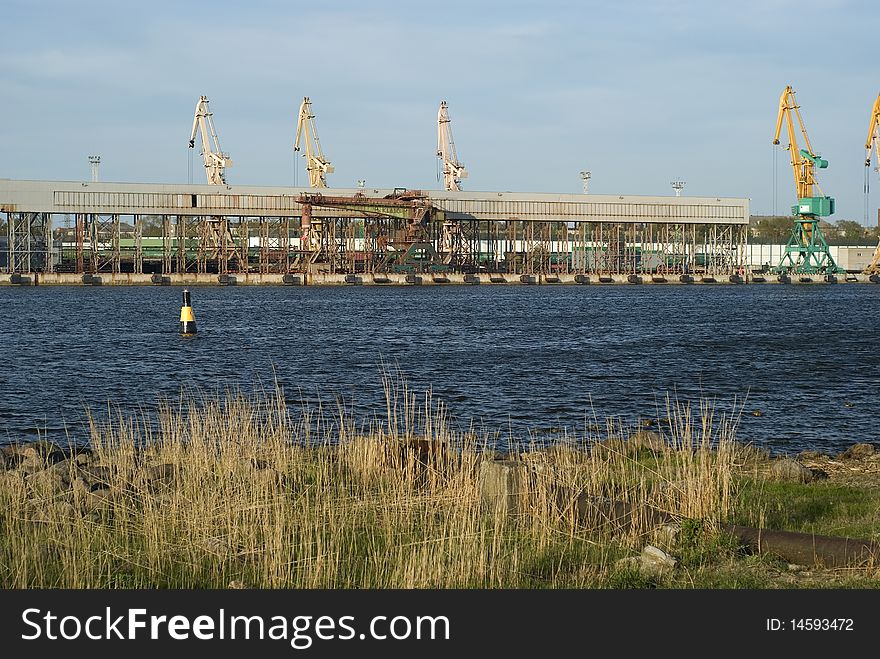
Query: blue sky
[(639, 93)]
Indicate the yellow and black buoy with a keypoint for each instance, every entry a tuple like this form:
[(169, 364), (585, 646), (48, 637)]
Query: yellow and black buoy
[(187, 317)]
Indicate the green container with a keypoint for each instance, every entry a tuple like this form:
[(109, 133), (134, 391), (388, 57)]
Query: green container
[(821, 206)]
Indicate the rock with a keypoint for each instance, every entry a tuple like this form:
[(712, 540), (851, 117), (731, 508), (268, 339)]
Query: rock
[(789, 470), (237, 584), (656, 562), (749, 454), (260, 463), (810, 455), (102, 498), (858, 452), (46, 483), (42, 451), (84, 458), (68, 469), (97, 474), (13, 483), (819, 474), (647, 439), (162, 472), (666, 535), (641, 439), (9, 457), (159, 477), (53, 512)]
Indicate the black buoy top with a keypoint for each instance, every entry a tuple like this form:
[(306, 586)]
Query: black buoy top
[(186, 299)]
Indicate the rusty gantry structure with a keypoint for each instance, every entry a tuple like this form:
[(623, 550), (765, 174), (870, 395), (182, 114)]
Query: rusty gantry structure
[(114, 228)]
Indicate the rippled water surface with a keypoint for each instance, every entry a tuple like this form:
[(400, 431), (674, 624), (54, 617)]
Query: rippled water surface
[(517, 360)]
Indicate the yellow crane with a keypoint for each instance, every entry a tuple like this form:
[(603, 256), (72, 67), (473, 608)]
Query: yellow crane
[(453, 171), (873, 143), (317, 165), (807, 251), (216, 161)]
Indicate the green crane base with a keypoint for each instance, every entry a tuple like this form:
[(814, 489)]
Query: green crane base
[(806, 251)]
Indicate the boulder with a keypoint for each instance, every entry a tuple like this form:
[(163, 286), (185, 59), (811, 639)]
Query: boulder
[(789, 470), (666, 535), (53, 512), (12, 482), (100, 475), (166, 473), (42, 451), (647, 439), (858, 452), (47, 482), (656, 562), (102, 498), (9, 457)]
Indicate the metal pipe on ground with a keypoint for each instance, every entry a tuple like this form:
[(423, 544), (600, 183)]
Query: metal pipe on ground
[(808, 548), (801, 548), (503, 483)]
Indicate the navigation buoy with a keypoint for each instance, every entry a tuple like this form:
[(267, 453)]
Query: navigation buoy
[(187, 317)]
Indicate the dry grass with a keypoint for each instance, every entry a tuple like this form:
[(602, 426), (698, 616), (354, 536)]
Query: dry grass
[(232, 490)]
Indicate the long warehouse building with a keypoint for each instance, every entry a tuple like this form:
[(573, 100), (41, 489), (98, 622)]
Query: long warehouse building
[(93, 228)]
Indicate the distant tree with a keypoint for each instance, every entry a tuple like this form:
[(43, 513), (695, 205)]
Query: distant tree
[(772, 229), (151, 225), (851, 233)]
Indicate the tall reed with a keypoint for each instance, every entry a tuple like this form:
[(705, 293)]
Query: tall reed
[(235, 489)]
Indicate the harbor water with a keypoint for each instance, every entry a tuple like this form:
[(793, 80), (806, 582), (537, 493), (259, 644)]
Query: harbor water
[(797, 367)]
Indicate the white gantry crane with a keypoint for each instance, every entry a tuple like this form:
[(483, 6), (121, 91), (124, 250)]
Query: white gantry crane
[(216, 161), (453, 171), (317, 165)]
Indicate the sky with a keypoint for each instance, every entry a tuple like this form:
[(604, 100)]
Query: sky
[(639, 94)]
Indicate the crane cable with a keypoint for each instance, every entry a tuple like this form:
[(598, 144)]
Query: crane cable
[(775, 177), (867, 188)]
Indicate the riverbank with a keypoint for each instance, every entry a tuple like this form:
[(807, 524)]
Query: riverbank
[(230, 492)]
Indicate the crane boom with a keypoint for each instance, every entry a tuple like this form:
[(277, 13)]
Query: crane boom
[(806, 251), (216, 161), (873, 142), (453, 170), (317, 166), (803, 161)]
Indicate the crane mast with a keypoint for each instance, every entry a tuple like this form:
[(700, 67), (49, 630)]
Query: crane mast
[(317, 165), (873, 143), (453, 170), (216, 161), (807, 251)]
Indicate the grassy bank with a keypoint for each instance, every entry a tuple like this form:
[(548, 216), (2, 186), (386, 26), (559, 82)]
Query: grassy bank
[(233, 492)]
